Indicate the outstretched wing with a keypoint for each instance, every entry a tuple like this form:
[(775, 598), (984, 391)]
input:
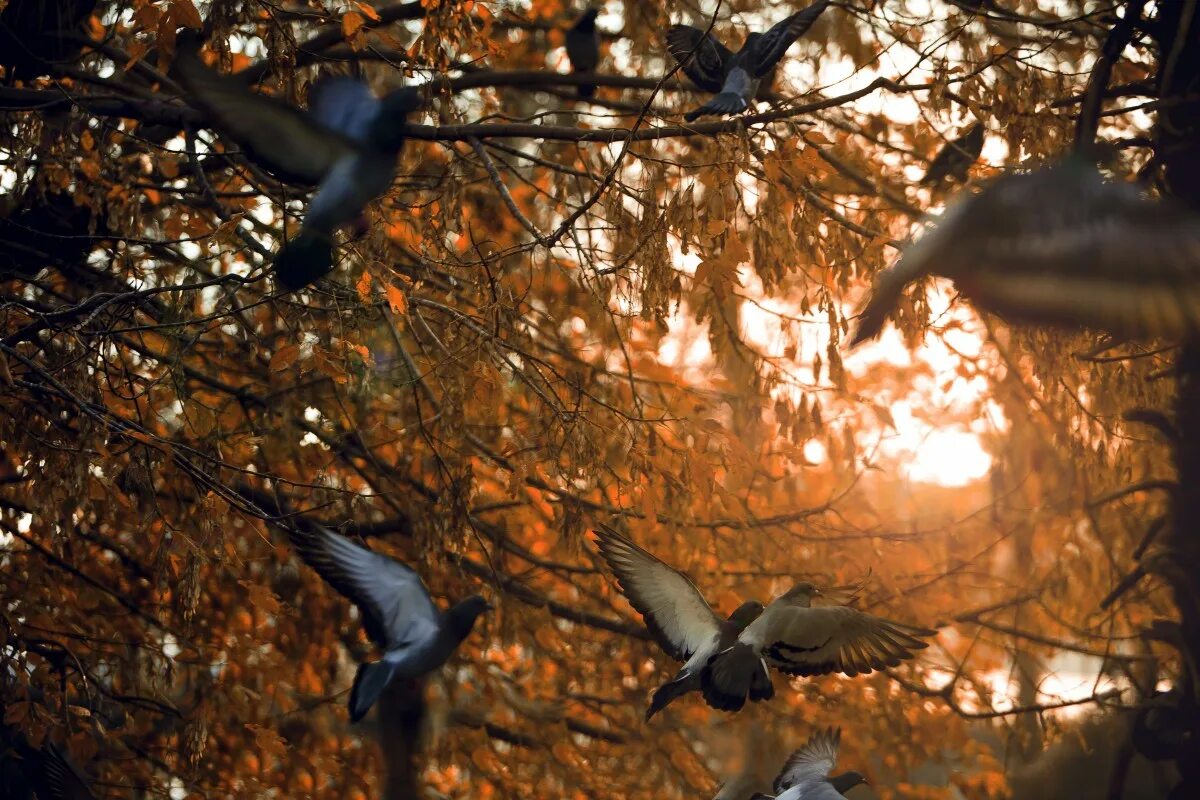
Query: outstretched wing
[(673, 608), (343, 104), (814, 641), (285, 140), (771, 46), (704, 59), (63, 779), (812, 762), (395, 605)]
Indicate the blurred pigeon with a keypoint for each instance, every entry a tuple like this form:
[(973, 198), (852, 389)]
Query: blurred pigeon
[(956, 157), (1060, 246), (734, 77), (346, 144), (61, 778), (794, 637), (42, 38), (805, 776), (678, 616), (583, 47), (396, 610)]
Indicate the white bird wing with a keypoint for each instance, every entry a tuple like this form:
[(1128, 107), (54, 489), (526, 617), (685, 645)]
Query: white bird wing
[(396, 607), (810, 763), (815, 641), (673, 608)]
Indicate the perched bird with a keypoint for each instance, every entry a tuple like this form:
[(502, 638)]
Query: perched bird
[(1060, 246), (61, 778), (734, 77), (805, 776), (346, 145), (956, 157), (795, 637), (397, 612), (680, 619), (583, 47)]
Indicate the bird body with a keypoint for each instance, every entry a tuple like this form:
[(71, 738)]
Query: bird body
[(805, 775), (1060, 246), (956, 157), (735, 78), (397, 611), (793, 636), (583, 48), (346, 145)]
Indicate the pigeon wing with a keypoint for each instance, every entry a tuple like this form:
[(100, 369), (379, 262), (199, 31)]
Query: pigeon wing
[(395, 605), (674, 610), (63, 779), (774, 43), (816, 641), (704, 59), (810, 763), (343, 104), (280, 137)]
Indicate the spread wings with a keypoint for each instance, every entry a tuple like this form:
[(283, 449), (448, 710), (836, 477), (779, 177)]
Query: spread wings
[(704, 59), (775, 42), (673, 608), (810, 763)]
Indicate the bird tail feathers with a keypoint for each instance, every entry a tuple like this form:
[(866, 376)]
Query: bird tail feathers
[(304, 259), (724, 103), (369, 682), (669, 692), (586, 89), (733, 675), (884, 297)]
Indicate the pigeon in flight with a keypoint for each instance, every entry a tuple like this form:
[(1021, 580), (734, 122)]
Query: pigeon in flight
[(956, 157), (397, 612), (346, 144), (583, 48), (677, 615), (795, 637), (734, 77), (805, 775), (62, 779), (1060, 246)]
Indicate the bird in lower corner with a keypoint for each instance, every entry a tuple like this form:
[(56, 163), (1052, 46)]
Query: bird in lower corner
[(397, 612), (1059, 246), (955, 158), (805, 775), (346, 145), (583, 48), (735, 77), (61, 778)]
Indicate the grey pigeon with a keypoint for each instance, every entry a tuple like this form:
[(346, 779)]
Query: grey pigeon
[(397, 612), (734, 77), (346, 145), (805, 775), (956, 157), (1060, 246), (61, 778), (583, 48), (680, 619), (795, 637)]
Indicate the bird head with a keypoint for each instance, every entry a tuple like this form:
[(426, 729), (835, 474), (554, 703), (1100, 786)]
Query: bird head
[(746, 613), (587, 20), (390, 124), (847, 781), (802, 593), (462, 615)]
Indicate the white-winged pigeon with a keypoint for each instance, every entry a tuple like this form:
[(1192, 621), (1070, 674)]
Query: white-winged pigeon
[(734, 77), (1060, 246), (805, 775), (583, 48), (346, 144), (681, 621), (397, 612), (797, 638)]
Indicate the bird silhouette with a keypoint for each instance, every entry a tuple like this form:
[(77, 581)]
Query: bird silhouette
[(734, 78), (956, 157), (583, 48)]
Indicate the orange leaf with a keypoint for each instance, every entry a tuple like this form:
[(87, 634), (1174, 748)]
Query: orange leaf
[(284, 357), (397, 300), (186, 14), (370, 12), (352, 23), (364, 286)]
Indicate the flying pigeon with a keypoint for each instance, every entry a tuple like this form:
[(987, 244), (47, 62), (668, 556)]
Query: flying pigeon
[(679, 618), (397, 612), (583, 48), (1060, 246), (795, 637), (62, 779), (956, 157), (734, 77), (805, 775), (346, 145)]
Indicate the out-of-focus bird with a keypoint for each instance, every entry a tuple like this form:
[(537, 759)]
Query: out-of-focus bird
[(805, 776), (1060, 246), (956, 157), (39, 38), (346, 144), (678, 616), (397, 612), (583, 48), (61, 778), (735, 77), (797, 638)]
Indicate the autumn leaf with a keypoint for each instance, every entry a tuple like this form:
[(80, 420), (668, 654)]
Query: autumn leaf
[(284, 357), (396, 300)]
